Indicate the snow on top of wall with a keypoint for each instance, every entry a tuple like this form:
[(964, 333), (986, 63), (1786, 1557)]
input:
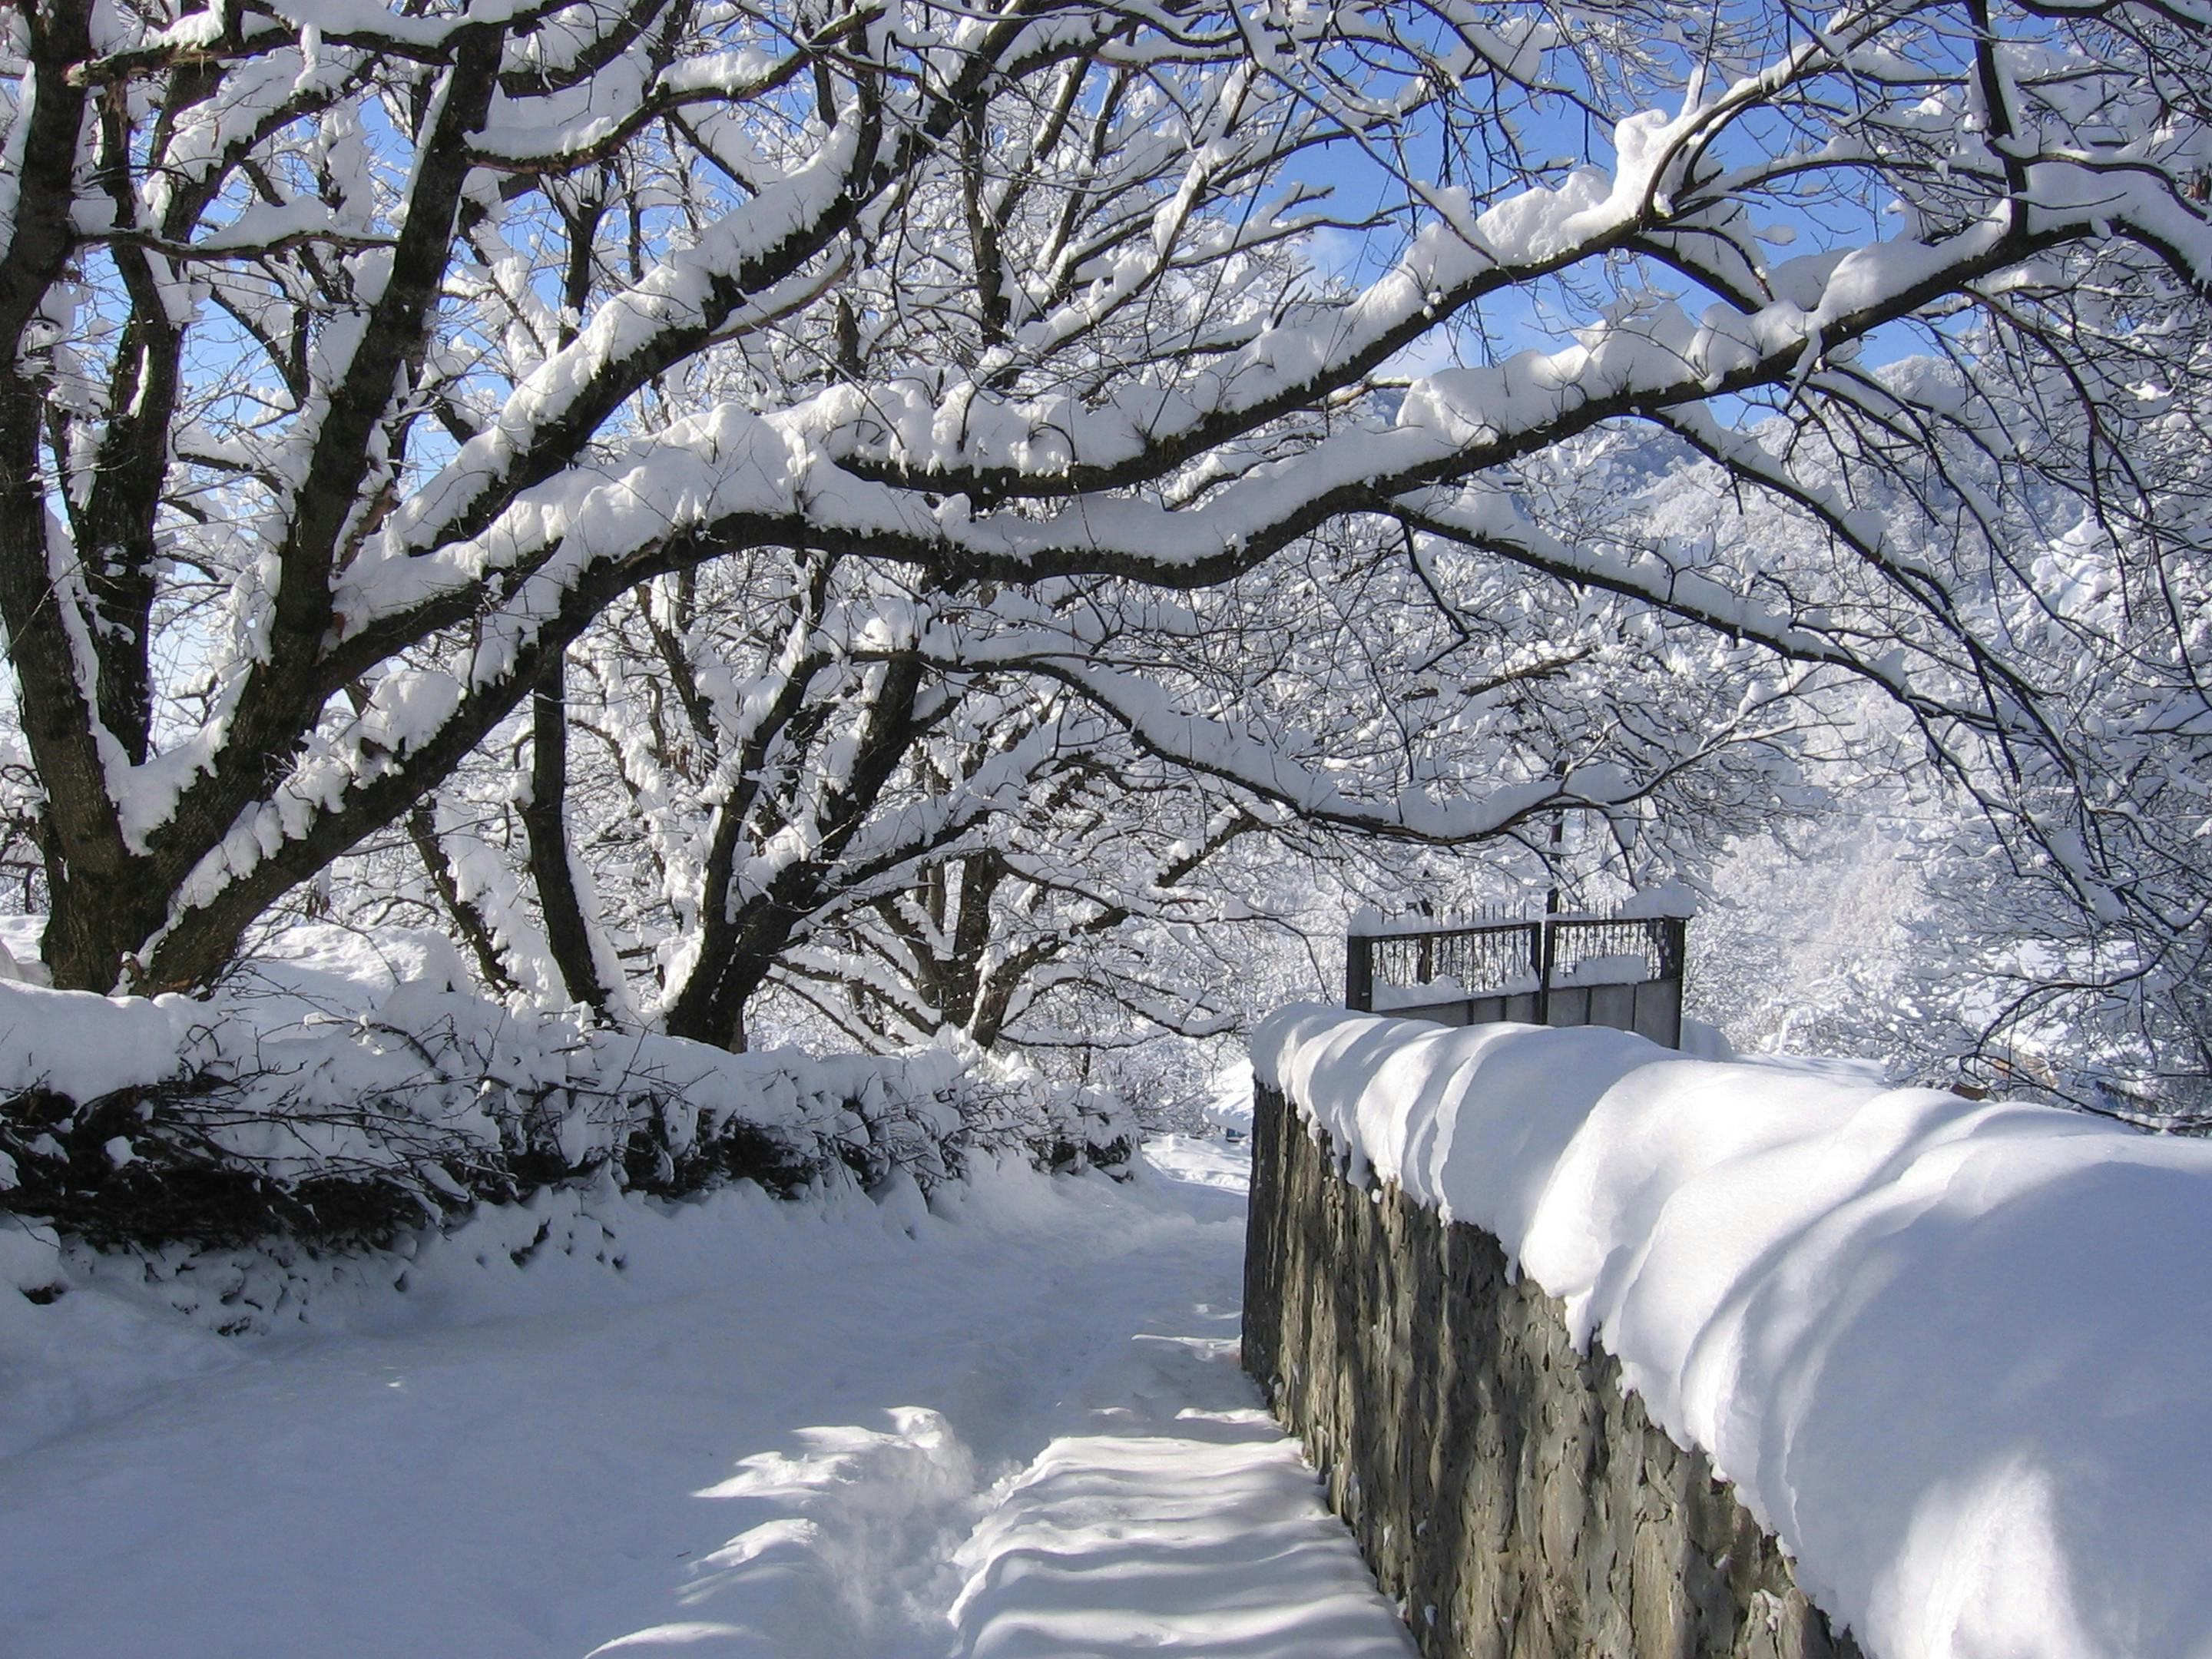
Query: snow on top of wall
[(1957, 1357)]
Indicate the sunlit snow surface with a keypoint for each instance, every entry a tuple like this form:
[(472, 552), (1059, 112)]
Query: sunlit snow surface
[(839, 1432), (1958, 1356)]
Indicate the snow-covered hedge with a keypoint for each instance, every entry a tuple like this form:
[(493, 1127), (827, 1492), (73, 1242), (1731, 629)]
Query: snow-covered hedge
[(1957, 1357), (170, 1117)]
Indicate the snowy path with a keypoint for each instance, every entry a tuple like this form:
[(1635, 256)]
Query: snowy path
[(1019, 1433)]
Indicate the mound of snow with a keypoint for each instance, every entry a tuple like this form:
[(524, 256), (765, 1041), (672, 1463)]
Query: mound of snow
[(20, 937), (313, 967), (85, 1046), (1958, 1357), (1228, 1101)]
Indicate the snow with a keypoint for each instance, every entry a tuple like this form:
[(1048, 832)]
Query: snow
[(1671, 897), (354, 1052), (1614, 967), (1443, 989), (312, 967), (1701, 1041), (1228, 1100), (1958, 1357), (84, 1046), (1117, 1540), (1009, 1423)]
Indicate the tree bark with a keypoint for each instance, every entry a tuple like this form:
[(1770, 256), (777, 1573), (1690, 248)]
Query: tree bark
[(552, 870), (468, 919)]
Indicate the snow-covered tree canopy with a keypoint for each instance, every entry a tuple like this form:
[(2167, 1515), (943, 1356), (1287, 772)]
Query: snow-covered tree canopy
[(987, 794), (361, 358)]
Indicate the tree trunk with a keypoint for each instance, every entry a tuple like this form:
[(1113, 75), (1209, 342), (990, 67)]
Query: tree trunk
[(568, 929)]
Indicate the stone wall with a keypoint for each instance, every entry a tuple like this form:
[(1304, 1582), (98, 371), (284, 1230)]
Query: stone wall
[(1499, 1483)]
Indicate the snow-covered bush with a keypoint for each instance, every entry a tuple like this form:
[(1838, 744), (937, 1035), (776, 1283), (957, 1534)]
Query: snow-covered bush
[(168, 1117)]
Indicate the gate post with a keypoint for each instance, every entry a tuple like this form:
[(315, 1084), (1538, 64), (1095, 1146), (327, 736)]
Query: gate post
[(1360, 973)]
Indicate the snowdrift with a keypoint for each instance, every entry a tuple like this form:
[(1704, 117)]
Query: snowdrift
[(1957, 1357), (152, 1119)]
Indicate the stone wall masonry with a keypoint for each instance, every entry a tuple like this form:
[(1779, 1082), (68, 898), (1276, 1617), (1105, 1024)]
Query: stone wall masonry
[(1500, 1483)]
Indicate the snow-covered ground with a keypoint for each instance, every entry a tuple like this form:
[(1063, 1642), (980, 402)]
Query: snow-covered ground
[(1014, 1428)]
